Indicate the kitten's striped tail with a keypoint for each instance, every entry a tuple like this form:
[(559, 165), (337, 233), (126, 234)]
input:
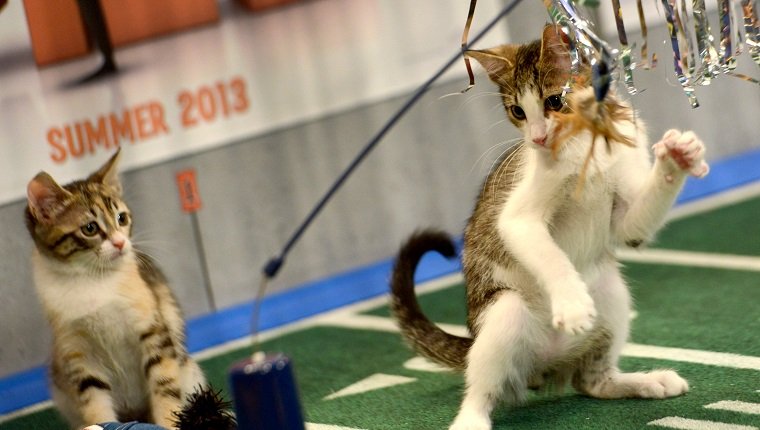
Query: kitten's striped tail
[(423, 335)]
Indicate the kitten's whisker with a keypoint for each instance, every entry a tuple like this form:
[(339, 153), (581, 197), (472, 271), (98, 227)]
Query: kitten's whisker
[(501, 169), (492, 126), (479, 96), (482, 156)]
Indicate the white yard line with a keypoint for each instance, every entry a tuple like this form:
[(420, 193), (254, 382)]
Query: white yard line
[(736, 406), (424, 288), (689, 424), (722, 359), (725, 198), (334, 318), (374, 382), (711, 358), (691, 259), (26, 411)]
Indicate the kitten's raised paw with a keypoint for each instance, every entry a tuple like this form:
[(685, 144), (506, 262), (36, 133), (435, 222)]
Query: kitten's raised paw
[(663, 384), (685, 150), (573, 310)]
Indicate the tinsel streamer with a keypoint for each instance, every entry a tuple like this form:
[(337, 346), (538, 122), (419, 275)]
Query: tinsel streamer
[(575, 57), (705, 43), (465, 35), (687, 55), (727, 60), (751, 29), (575, 64), (645, 64), (625, 51), (686, 85), (589, 46), (737, 28)]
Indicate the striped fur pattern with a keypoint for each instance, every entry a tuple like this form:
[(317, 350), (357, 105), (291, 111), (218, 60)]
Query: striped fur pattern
[(118, 349), (547, 305)]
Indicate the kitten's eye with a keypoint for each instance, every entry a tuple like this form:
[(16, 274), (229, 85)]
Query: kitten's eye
[(122, 218), (517, 112), (553, 102), (90, 229)]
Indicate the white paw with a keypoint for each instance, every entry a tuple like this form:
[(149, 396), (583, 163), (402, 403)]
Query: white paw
[(470, 420), (685, 150), (573, 308), (662, 384)]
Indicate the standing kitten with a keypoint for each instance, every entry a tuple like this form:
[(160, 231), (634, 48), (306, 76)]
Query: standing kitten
[(118, 334), (546, 303)]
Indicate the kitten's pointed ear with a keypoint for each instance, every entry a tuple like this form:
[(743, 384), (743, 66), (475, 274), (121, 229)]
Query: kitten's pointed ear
[(46, 198), (555, 47), (496, 61), (108, 174)]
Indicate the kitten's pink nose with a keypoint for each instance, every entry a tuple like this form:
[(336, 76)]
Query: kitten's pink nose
[(540, 140), (119, 244)]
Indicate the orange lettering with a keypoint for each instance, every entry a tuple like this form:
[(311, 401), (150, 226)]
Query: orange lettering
[(96, 136), (54, 137), (158, 119), (76, 149), (142, 120), (121, 128)]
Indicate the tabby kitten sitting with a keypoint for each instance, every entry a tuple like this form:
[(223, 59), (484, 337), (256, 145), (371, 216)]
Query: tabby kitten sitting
[(546, 303), (118, 333)]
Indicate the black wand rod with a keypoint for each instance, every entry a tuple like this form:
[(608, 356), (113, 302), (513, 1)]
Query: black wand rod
[(275, 264)]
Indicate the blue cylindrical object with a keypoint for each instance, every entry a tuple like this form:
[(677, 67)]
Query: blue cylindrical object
[(265, 393)]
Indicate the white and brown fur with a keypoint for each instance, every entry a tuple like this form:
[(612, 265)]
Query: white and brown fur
[(118, 333), (546, 301)]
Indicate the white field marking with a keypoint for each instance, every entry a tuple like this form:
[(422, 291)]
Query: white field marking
[(26, 411), (313, 321), (424, 365), (371, 383), (376, 323), (722, 359), (692, 259), (724, 198), (313, 426), (689, 424), (736, 406)]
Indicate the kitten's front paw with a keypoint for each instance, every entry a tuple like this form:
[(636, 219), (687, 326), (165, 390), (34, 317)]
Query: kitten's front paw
[(685, 150), (573, 308), (468, 420)]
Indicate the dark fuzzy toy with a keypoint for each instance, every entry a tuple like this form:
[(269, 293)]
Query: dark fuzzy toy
[(206, 410)]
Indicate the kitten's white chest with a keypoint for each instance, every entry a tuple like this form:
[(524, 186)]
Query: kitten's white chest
[(74, 297), (581, 226)]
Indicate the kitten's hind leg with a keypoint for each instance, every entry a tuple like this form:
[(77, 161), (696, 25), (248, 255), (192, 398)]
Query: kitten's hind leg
[(499, 362), (613, 384), (597, 374)]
